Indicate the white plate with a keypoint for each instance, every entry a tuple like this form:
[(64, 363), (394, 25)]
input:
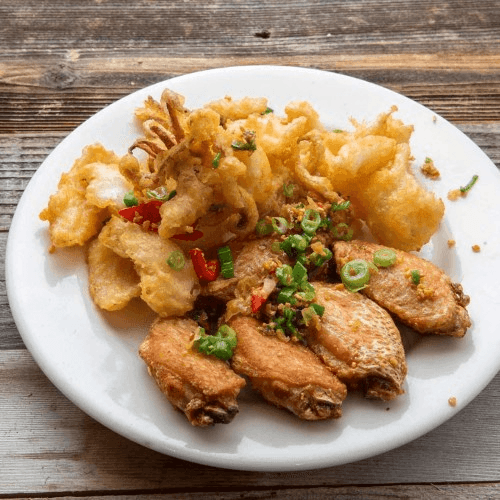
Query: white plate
[(92, 358)]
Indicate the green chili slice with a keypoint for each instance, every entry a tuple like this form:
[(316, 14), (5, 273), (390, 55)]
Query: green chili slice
[(176, 260), (288, 189), (384, 257), (355, 274), (318, 260)]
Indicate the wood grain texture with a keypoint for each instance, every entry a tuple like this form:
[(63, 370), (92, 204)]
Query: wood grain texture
[(41, 428), (62, 61)]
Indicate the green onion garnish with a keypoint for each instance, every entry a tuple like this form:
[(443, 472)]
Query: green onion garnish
[(384, 257), (307, 292), (467, 187), (319, 309), (287, 295), (220, 345), (263, 228), (355, 274), (279, 224), (336, 207), (415, 276), (216, 160), (226, 262), (343, 232), (288, 189), (299, 273), (284, 275), (310, 222), (176, 260), (267, 111), (337, 130), (318, 260), (130, 200)]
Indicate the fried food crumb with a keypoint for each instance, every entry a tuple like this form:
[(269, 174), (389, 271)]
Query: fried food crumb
[(452, 401), (451, 243), (430, 170), (476, 248), (455, 194)]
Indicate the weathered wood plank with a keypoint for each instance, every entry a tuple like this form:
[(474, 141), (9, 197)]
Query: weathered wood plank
[(57, 94), (408, 492), (48, 445)]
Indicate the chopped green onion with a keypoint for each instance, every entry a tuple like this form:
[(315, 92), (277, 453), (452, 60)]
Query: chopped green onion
[(286, 295), (303, 259), (267, 111), (130, 200), (279, 224), (275, 247), (355, 274), (466, 188), (176, 260), (299, 242), (428, 160), (248, 144), (284, 275), (310, 222), (263, 228), (319, 309), (384, 257), (216, 160), (288, 189), (415, 276), (307, 292), (343, 232), (318, 260), (336, 207), (299, 273), (337, 130), (226, 262), (220, 345)]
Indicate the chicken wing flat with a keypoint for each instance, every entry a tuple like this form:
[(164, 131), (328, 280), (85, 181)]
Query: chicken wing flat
[(286, 374), (203, 387), (430, 304), (359, 342)]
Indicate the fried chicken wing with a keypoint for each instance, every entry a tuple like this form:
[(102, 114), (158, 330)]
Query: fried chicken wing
[(433, 305), (286, 374), (203, 387), (359, 342)]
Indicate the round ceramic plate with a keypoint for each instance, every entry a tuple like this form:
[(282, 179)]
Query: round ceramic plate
[(91, 356)]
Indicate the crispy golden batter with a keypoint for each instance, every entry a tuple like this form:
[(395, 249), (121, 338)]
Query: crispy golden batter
[(113, 281), (167, 292), (286, 374), (201, 386), (359, 342), (435, 305)]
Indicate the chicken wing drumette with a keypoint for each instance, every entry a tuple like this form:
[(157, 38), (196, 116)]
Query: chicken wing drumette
[(203, 387), (358, 341), (429, 304), (285, 373)]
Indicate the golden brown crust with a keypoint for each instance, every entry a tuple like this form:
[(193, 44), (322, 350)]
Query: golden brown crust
[(435, 305), (286, 374), (203, 387), (359, 342)]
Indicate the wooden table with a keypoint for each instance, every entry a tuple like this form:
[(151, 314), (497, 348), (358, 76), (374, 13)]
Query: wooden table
[(62, 61)]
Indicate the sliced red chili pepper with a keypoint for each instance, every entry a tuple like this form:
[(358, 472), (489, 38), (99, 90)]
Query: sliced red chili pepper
[(257, 302), (207, 270), (195, 235), (149, 211)]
